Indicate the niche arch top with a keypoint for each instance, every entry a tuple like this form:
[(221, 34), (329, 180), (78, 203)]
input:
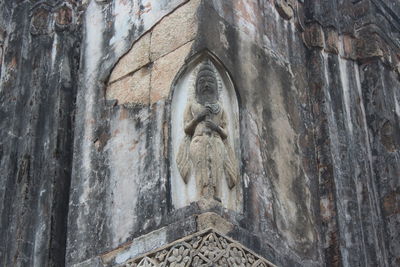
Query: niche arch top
[(204, 151)]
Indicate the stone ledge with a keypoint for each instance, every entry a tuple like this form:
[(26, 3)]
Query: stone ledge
[(169, 233), (208, 217), (150, 241)]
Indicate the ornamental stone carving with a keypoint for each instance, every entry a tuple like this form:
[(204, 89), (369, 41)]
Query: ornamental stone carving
[(206, 248), (205, 150), (205, 132)]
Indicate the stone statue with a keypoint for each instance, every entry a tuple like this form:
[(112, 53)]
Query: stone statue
[(205, 150)]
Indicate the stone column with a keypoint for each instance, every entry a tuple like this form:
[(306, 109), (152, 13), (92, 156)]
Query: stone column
[(39, 59)]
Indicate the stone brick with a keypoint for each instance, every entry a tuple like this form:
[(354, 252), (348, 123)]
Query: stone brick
[(165, 70), (349, 49), (314, 36), (331, 42), (368, 45), (133, 89), (137, 57), (284, 9), (174, 30)]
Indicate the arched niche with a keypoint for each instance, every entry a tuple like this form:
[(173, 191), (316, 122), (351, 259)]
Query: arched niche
[(182, 194)]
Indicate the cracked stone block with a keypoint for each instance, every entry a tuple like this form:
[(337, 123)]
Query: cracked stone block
[(133, 89), (165, 70), (174, 30), (137, 57), (314, 36)]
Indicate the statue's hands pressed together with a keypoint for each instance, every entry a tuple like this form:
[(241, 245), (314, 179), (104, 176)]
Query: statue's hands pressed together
[(202, 115)]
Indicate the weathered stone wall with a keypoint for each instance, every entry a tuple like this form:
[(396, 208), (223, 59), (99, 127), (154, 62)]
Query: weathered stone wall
[(119, 175), (121, 164), (355, 91), (39, 80), (318, 91)]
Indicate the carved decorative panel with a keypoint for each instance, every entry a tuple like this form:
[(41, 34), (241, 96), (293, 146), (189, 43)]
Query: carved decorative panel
[(206, 248), (205, 145)]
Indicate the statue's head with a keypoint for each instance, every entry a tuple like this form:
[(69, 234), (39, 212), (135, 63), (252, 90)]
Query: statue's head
[(206, 84)]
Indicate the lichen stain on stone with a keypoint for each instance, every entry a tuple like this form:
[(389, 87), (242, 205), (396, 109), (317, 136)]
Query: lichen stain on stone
[(246, 15), (144, 9), (12, 64), (101, 141), (124, 114), (165, 138), (387, 137), (326, 208), (133, 145), (391, 203), (292, 195), (126, 150)]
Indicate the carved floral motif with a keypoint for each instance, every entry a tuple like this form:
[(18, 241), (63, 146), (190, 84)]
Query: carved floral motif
[(203, 249)]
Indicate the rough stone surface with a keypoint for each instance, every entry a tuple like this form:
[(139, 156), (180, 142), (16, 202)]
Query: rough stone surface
[(85, 164), (137, 57), (314, 36), (331, 41), (174, 30), (133, 89), (284, 9), (38, 85), (164, 71)]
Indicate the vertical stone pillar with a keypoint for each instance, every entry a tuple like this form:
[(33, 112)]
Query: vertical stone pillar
[(39, 58), (349, 191)]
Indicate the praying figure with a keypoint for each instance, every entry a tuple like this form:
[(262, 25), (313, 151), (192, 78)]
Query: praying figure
[(205, 151)]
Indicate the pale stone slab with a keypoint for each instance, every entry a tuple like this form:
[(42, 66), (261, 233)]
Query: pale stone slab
[(137, 57), (165, 70), (174, 30), (133, 89)]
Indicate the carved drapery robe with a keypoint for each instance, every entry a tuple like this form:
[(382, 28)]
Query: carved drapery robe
[(205, 154)]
